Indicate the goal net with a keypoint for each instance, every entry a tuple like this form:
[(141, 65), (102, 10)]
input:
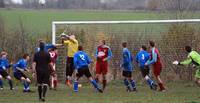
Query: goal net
[(170, 37)]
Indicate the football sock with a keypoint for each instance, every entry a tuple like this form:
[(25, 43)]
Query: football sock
[(126, 83), (1, 84), (104, 84), (150, 82), (24, 84), (10, 84), (94, 83), (40, 91), (55, 82), (161, 86), (27, 86), (133, 83), (75, 86), (97, 80), (44, 90)]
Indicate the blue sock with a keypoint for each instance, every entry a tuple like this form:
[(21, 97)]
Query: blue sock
[(75, 86), (24, 84), (1, 84), (150, 82), (94, 83), (126, 83), (27, 86), (133, 83)]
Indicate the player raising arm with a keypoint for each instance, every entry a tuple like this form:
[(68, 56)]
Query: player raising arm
[(81, 62), (4, 65), (19, 72), (72, 47), (127, 68), (193, 58)]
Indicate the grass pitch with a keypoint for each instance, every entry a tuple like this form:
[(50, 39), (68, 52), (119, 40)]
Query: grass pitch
[(178, 92)]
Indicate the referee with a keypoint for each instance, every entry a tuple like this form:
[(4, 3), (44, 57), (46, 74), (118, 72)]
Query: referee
[(43, 68)]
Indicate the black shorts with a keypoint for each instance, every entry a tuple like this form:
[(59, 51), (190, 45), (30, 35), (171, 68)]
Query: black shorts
[(43, 76), (69, 66), (145, 71), (3, 73), (127, 74), (84, 71), (18, 75)]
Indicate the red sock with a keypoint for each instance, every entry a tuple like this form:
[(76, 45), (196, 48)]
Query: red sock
[(104, 84), (55, 82), (161, 86), (97, 80)]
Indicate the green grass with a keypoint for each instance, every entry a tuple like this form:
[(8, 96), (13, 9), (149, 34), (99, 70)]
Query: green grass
[(39, 21), (178, 92)]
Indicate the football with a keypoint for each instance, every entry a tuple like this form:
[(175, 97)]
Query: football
[(100, 54), (42, 2)]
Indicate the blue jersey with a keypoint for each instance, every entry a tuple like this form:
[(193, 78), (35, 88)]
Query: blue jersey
[(4, 64), (22, 64), (142, 57), (127, 60), (46, 48), (81, 59)]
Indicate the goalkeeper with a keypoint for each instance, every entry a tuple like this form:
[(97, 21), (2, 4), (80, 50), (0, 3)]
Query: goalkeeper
[(193, 58)]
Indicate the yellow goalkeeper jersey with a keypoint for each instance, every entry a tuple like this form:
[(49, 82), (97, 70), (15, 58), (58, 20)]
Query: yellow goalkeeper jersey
[(72, 47)]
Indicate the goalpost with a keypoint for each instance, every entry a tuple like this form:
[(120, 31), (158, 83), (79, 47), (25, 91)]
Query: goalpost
[(136, 33), (54, 23)]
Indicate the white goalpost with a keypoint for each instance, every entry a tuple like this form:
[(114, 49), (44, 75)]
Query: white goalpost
[(54, 23), (135, 32)]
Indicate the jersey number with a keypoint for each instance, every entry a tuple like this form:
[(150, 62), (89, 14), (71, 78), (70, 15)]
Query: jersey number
[(82, 57), (52, 55), (143, 57)]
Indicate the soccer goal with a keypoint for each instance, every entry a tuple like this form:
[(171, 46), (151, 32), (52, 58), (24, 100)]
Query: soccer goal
[(170, 37)]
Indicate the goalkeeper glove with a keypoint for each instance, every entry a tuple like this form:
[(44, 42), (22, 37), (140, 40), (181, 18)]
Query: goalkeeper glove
[(176, 62)]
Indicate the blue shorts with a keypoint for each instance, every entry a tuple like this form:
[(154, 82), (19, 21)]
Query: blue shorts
[(3, 73), (19, 75), (127, 74), (128, 68)]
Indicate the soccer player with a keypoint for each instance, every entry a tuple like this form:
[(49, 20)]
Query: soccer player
[(81, 62), (127, 68), (72, 47), (19, 72), (53, 54), (103, 54), (192, 58), (141, 58), (47, 46), (157, 65), (4, 65), (43, 67)]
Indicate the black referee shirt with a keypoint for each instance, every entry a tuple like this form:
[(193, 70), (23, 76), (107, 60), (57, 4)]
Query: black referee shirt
[(42, 59)]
